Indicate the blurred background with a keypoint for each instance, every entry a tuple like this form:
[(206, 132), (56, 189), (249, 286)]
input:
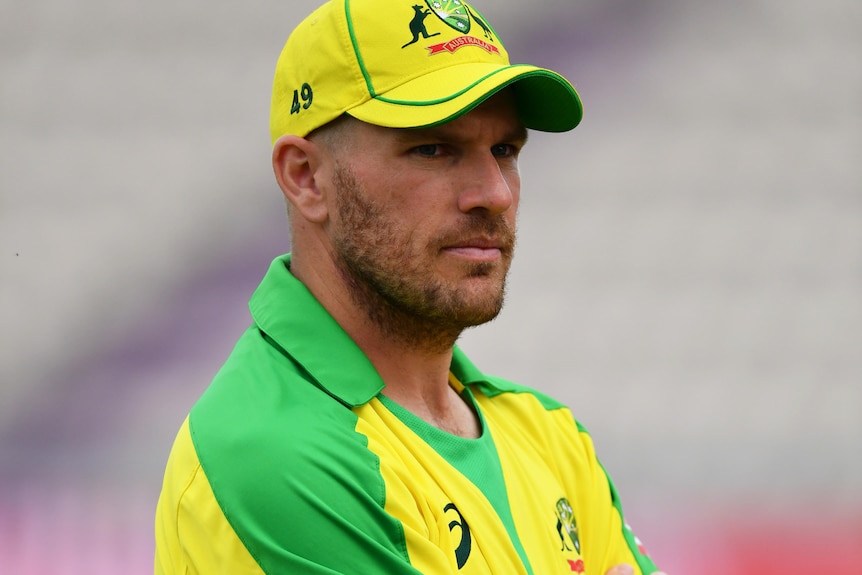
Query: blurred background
[(689, 274)]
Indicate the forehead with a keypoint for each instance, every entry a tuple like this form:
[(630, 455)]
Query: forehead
[(495, 119)]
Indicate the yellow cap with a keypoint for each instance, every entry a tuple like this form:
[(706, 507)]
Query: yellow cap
[(406, 64)]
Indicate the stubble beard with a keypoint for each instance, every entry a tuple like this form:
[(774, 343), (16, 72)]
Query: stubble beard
[(396, 286)]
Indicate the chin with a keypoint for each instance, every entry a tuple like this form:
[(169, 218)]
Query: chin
[(479, 308)]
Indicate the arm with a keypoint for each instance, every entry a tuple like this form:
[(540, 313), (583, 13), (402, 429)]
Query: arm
[(197, 533), (624, 548)]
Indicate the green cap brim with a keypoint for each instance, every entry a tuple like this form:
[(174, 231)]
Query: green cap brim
[(545, 100)]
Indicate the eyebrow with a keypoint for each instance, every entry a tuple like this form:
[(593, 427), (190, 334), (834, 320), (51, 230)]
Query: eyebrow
[(408, 135)]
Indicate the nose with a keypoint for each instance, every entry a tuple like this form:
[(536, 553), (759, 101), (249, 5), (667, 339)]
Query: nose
[(487, 185)]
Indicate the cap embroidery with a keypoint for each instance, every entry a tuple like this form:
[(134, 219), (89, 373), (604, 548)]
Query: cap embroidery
[(452, 12), (458, 16), (307, 96), (417, 25), (482, 24), (460, 42)]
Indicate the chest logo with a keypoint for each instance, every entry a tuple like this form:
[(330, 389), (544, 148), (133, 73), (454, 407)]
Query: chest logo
[(462, 552), (567, 526)]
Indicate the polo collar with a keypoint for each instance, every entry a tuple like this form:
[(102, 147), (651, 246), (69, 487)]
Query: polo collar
[(284, 309)]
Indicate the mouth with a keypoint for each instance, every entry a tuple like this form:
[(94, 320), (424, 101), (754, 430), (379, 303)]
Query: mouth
[(478, 249)]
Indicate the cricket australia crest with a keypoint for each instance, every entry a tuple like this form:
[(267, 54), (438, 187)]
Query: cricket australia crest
[(452, 12), (567, 525)]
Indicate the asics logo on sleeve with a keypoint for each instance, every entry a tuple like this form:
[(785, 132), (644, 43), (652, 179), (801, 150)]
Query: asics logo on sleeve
[(462, 552)]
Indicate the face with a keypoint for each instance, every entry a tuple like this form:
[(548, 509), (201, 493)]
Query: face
[(423, 226)]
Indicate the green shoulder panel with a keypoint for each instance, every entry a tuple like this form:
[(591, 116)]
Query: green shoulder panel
[(644, 562), (294, 479), (499, 385)]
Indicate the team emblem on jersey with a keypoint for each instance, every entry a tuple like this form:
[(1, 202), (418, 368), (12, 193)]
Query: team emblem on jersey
[(567, 525)]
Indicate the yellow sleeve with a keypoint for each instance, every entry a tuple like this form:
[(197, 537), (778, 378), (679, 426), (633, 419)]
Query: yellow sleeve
[(192, 534), (622, 545)]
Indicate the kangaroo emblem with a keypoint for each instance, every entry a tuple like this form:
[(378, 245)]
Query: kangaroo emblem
[(481, 24), (417, 25)]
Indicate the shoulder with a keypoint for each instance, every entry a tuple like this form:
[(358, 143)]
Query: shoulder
[(263, 416), (283, 458), (520, 406), (190, 528), (500, 386)]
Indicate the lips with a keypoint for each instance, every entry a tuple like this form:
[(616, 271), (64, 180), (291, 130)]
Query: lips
[(484, 238), (479, 243), (476, 254), (481, 247)]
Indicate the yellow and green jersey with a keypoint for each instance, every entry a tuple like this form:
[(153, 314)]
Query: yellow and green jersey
[(295, 461)]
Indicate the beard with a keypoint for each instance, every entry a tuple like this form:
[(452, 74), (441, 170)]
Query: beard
[(392, 277)]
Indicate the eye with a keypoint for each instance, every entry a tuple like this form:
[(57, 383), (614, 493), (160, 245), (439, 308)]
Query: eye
[(427, 150), (504, 150)]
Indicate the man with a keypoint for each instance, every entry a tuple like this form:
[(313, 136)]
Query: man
[(347, 433)]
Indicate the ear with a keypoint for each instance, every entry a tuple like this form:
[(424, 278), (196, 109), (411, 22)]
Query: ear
[(296, 163)]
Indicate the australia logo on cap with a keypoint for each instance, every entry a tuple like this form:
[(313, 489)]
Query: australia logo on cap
[(458, 16)]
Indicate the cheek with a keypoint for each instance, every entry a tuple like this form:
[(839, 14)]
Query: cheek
[(514, 182), (420, 203), (512, 174)]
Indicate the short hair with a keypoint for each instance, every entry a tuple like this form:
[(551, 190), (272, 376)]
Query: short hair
[(334, 135)]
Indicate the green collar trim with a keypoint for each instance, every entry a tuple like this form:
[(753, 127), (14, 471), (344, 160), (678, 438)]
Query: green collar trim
[(284, 309)]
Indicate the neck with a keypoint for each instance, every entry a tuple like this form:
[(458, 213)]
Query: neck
[(417, 378), (412, 356)]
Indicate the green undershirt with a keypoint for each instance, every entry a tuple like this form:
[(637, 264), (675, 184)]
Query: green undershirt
[(476, 459)]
